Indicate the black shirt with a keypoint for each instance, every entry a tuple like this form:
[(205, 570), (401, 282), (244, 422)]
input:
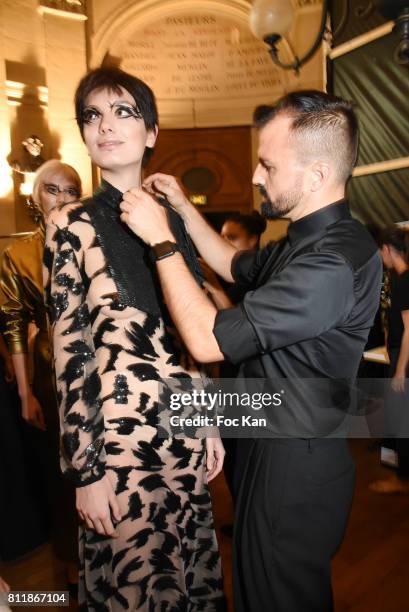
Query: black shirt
[(311, 302), (399, 302)]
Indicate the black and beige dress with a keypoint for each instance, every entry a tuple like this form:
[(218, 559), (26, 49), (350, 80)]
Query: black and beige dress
[(112, 345)]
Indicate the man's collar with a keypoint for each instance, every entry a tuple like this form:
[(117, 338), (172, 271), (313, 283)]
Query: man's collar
[(318, 221)]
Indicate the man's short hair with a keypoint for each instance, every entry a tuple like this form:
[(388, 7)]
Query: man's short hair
[(325, 127), (113, 79)]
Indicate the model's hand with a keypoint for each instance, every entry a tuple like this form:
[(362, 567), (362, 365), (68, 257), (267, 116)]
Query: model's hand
[(96, 503), (32, 412), (214, 457), (145, 217), (398, 382), (168, 186)]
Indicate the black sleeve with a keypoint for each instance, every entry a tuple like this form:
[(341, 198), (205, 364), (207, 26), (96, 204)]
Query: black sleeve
[(310, 296), (247, 264)]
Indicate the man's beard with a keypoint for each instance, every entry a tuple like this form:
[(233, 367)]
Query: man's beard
[(282, 206)]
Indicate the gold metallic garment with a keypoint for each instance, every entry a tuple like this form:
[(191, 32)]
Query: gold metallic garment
[(22, 284)]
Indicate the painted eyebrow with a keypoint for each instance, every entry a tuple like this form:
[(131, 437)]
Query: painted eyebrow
[(111, 105), (132, 105)]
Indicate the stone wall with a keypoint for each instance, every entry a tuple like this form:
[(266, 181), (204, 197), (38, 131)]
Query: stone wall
[(42, 57)]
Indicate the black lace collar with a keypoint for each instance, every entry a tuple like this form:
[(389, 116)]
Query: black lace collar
[(127, 256), (109, 194)]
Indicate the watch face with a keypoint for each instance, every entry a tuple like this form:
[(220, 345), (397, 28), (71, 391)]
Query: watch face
[(164, 249)]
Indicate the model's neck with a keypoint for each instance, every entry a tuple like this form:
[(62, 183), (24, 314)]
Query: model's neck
[(124, 180)]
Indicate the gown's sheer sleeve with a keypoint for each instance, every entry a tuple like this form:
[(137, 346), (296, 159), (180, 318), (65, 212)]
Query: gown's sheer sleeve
[(16, 309), (77, 378)]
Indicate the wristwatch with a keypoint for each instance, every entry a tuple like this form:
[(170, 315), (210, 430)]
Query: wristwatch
[(163, 249)]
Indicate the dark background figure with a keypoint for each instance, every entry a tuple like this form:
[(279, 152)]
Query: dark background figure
[(22, 525), (395, 255)]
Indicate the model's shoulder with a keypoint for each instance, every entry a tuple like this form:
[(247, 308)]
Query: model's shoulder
[(69, 214)]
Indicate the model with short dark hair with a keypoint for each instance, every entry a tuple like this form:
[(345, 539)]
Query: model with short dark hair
[(147, 540)]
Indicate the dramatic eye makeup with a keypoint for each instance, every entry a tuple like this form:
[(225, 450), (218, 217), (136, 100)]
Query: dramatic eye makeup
[(90, 114), (54, 190), (122, 110)]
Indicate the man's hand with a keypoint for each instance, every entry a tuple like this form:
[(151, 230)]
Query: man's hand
[(145, 217), (32, 412), (167, 185), (214, 457), (96, 503)]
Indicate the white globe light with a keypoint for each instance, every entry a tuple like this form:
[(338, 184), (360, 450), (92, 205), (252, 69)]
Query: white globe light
[(269, 17)]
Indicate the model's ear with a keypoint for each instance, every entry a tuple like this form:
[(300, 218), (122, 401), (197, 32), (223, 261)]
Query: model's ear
[(151, 137)]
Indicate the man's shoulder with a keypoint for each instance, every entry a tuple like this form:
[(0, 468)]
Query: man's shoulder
[(352, 241)]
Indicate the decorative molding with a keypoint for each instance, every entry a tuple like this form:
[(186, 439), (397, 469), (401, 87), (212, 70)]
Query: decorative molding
[(385, 166), (68, 9), (360, 41)]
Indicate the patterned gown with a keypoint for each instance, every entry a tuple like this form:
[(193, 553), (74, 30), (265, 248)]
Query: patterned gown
[(109, 357)]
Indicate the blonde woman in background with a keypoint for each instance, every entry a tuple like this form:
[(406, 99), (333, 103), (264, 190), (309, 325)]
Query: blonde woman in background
[(55, 183)]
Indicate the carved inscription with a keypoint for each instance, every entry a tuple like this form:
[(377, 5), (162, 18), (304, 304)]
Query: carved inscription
[(196, 56)]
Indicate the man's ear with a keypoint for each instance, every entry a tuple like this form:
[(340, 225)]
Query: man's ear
[(151, 137), (320, 172)]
